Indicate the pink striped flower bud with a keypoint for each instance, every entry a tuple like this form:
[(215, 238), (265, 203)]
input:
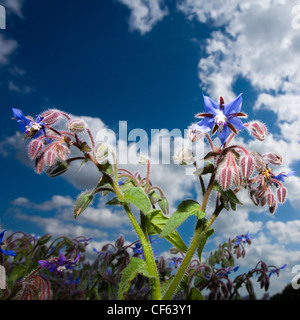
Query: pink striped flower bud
[(272, 209), (270, 198), (273, 158), (247, 164), (50, 157), (34, 148), (257, 129), (253, 197), (51, 116), (77, 125), (40, 164), (62, 151), (281, 194), (225, 177), (225, 172)]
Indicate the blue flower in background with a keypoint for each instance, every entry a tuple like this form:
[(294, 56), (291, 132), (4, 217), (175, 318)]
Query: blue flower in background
[(242, 239), (221, 117), (283, 175), (6, 252), (277, 270), (32, 128)]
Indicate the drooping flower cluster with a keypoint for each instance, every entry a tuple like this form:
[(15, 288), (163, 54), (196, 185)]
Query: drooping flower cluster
[(235, 167), (49, 146)]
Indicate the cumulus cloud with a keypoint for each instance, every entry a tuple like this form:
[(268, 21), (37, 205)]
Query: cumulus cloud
[(145, 13)]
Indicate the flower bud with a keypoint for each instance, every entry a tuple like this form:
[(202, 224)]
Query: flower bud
[(34, 148), (50, 157), (51, 116), (61, 150), (247, 165), (40, 164), (164, 205), (281, 194), (225, 177), (257, 129), (83, 201), (101, 152), (270, 198), (184, 156), (77, 125), (119, 243), (273, 158), (57, 169), (272, 209)]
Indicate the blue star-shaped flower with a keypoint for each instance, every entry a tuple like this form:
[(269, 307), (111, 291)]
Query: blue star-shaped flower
[(221, 117), (242, 238), (7, 252), (32, 128)]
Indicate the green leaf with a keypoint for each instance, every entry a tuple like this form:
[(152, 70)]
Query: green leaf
[(113, 201), (138, 197), (196, 294), (156, 222), (202, 243), (184, 210), (134, 267), (227, 196), (83, 201), (209, 168)]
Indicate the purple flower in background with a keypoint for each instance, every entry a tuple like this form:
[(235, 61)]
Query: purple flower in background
[(58, 265), (32, 128), (221, 117), (6, 252)]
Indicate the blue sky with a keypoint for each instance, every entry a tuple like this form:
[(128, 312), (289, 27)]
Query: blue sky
[(147, 63)]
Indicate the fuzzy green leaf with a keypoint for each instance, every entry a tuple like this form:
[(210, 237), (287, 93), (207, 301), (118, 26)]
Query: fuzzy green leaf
[(156, 221), (196, 294), (184, 210), (138, 197), (227, 196), (134, 267)]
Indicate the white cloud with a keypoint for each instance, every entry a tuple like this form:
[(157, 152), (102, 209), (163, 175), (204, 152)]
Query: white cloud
[(145, 13), (285, 232), (14, 7), (7, 47)]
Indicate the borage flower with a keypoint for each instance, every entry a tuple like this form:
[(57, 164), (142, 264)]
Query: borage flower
[(58, 265), (221, 117), (32, 128), (244, 238), (6, 252)]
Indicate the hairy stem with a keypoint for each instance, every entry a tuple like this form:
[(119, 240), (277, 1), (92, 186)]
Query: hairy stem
[(200, 231)]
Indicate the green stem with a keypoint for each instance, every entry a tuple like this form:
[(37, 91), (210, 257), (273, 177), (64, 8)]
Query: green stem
[(156, 293), (200, 231)]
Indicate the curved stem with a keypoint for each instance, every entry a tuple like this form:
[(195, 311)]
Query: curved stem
[(200, 231)]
